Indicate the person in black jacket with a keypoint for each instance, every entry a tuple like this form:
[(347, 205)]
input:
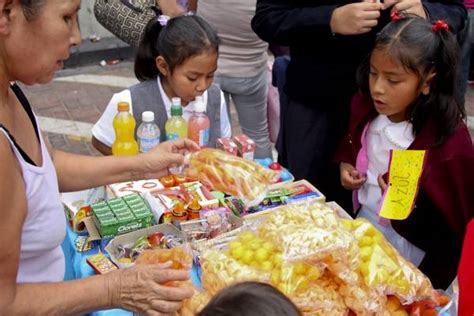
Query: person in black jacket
[(328, 39)]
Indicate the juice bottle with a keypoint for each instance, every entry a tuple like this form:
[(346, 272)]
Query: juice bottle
[(198, 125), (148, 133), (124, 126), (176, 126)]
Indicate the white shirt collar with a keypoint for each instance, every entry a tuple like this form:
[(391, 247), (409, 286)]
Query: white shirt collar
[(399, 134)]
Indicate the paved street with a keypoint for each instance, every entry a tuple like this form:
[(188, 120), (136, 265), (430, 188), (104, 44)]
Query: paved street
[(76, 98)]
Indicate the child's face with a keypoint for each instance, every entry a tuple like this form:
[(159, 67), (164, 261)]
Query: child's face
[(392, 87), (191, 78)]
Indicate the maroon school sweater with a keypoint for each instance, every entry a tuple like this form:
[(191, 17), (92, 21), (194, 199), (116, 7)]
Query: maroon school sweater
[(445, 200)]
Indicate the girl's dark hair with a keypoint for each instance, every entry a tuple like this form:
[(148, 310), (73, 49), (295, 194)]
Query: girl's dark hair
[(182, 37), (31, 8), (413, 43), (250, 299)]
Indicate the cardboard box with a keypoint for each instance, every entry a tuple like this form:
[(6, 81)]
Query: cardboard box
[(245, 145), (141, 186), (130, 238), (228, 145), (121, 215), (76, 205)]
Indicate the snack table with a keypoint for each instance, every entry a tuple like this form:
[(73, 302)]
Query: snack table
[(77, 268)]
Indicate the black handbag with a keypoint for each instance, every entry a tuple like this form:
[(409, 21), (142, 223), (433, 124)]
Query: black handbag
[(126, 19)]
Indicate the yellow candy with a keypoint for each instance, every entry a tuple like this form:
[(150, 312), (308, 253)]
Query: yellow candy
[(255, 245), (267, 246), (267, 265), (277, 259), (247, 257), (313, 274), (400, 312), (246, 237), (235, 244), (365, 241), (237, 253), (261, 255), (275, 276), (365, 253), (300, 268), (364, 268)]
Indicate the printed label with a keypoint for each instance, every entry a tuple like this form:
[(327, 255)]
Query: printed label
[(405, 170), (172, 136), (204, 137), (147, 144)]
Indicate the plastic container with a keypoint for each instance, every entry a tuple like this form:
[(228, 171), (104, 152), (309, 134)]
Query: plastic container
[(148, 133), (176, 126), (199, 124), (124, 126)]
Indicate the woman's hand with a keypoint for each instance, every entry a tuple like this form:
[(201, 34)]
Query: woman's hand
[(170, 8), (166, 155), (139, 289), (351, 179), (355, 18), (405, 7)]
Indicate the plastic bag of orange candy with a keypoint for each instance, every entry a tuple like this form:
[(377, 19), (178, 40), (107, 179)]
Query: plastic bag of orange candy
[(233, 175)]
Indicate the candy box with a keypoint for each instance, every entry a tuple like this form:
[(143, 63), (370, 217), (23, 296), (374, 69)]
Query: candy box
[(131, 187), (245, 145), (228, 145), (121, 215), (128, 239), (76, 205)]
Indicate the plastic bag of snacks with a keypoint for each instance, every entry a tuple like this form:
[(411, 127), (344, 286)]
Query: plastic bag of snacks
[(381, 267), (233, 175)]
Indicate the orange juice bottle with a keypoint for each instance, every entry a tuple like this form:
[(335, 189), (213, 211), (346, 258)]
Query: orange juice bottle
[(124, 126), (199, 124)]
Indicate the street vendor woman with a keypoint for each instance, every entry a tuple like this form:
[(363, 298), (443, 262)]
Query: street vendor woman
[(35, 38)]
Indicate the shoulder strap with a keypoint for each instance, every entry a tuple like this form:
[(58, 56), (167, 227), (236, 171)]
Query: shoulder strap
[(146, 96), (26, 105), (21, 151), (214, 113)]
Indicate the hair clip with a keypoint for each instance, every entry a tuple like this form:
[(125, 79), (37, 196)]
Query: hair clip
[(440, 25), (395, 16), (163, 19)]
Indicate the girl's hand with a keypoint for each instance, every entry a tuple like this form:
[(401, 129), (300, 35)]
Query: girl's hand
[(355, 18), (351, 179), (156, 162), (383, 185), (140, 289), (406, 6)]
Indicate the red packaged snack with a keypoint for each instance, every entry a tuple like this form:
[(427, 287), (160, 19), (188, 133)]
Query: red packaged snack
[(245, 145), (228, 145)]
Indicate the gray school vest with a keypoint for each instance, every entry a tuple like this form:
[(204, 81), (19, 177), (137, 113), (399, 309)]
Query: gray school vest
[(146, 96)]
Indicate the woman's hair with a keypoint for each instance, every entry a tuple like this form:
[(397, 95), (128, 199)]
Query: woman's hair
[(31, 8), (250, 299), (423, 48), (181, 38)]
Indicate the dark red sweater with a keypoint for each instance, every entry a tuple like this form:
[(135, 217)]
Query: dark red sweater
[(445, 201)]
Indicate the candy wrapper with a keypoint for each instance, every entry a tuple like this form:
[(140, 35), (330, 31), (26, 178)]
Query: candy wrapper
[(381, 267), (236, 176)]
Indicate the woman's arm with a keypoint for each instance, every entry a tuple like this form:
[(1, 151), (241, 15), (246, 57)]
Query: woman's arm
[(76, 172)]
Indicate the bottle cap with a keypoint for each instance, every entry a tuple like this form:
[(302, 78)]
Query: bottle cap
[(199, 105), (176, 110), (123, 106), (194, 205), (148, 116), (176, 101)]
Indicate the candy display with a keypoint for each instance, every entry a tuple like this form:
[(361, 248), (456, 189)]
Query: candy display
[(245, 145), (228, 145), (233, 175), (121, 215)]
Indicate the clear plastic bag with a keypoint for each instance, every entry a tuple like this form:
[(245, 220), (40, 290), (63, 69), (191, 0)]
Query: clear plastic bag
[(233, 175)]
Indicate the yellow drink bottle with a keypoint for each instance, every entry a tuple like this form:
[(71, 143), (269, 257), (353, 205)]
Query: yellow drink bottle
[(176, 126), (124, 126)]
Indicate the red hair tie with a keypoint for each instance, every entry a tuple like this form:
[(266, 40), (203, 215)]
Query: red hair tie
[(440, 25), (395, 16)]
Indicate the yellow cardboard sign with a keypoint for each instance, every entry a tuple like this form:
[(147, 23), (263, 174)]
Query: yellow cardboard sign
[(405, 171)]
